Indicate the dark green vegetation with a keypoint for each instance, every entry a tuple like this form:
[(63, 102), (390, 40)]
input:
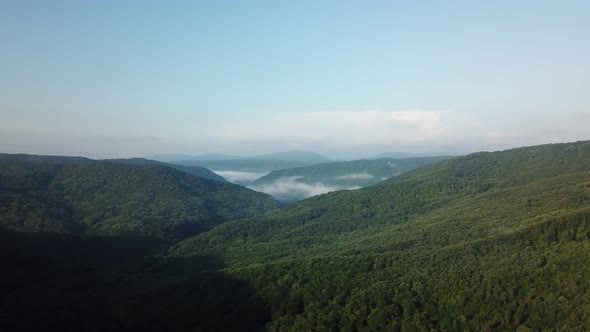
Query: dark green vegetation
[(486, 242), (489, 241), (70, 283), (198, 171), (284, 184), (193, 170), (109, 198)]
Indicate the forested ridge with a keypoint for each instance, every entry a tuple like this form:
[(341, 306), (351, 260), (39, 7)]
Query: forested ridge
[(115, 198), (193, 170), (488, 241), (62, 282)]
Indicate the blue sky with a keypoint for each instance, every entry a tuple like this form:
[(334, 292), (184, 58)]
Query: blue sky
[(344, 78)]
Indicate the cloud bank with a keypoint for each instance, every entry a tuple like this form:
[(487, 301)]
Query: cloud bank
[(355, 176), (337, 134), (338, 128), (416, 130), (288, 189)]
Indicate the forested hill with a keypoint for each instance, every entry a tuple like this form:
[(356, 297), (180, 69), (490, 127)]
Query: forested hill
[(488, 241), (199, 171), (115, 198), (284, 183), (193, 170)]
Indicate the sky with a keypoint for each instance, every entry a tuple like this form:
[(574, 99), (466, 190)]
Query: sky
[(343, 78)]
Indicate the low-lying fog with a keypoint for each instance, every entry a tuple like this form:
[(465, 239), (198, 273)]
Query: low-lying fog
[(293, 188), (289, 189), (239, 177)]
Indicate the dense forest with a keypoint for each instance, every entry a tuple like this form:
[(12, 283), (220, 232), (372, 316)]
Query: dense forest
[(116, 198), (489, 241), (198, 171), (60, 282), (485, 242)]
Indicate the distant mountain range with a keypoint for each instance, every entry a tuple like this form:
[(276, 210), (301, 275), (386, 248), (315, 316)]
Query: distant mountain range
[(187, 157), (400, 155), (243, 170), (293, 155), (297, 183), (243, 165)]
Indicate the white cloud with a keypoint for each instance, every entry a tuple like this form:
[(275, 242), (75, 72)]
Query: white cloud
[(339, 128), (355, 176), (373, 131), (236, 176), (289, 189)]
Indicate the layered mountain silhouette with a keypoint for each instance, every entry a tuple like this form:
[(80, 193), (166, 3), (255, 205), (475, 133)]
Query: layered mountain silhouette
[(491, 241)]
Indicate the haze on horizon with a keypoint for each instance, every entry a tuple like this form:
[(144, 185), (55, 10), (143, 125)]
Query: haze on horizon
[(342, 78)]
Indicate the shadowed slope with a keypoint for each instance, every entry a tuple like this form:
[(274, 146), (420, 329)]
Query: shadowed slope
[(70, 283)]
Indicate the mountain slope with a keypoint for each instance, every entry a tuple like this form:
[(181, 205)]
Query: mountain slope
[(286, 184), (108, 198), (56, 282), (193, 170), (488, 241), (42, 159)]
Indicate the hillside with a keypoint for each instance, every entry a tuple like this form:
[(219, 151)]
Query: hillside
[(83, 283), (488, 241), (297, 183), (193, 170), (115, 198)]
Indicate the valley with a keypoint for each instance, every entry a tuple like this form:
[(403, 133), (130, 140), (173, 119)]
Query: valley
[(487, 241)]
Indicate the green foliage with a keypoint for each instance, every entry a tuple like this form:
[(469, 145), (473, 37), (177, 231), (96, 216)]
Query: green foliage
[(107, 198), (485, 242), (192, 170)]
